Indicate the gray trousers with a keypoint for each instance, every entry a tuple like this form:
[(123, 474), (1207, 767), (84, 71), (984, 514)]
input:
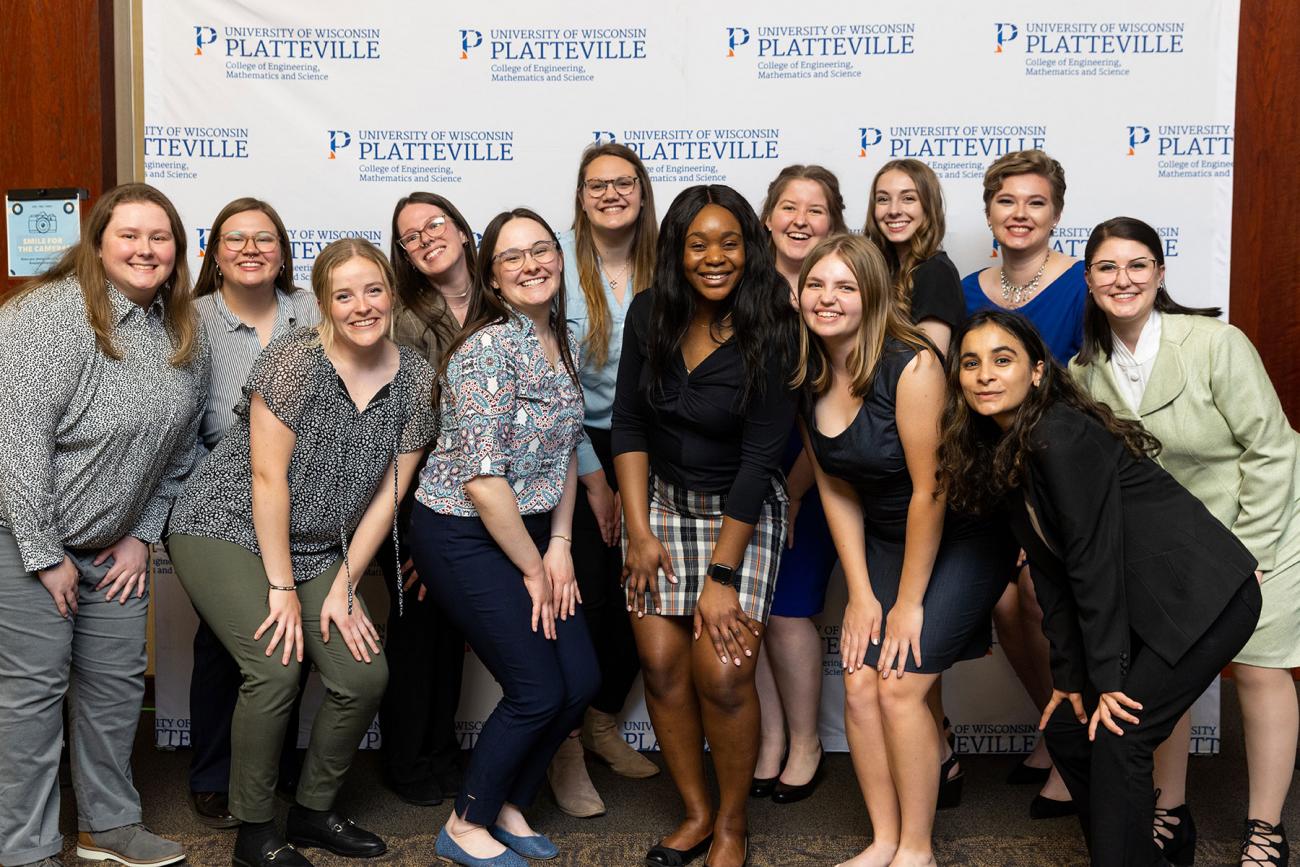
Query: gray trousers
[(98, 660), (228, 587)]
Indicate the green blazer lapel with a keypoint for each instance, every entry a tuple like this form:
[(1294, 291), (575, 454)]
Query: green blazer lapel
[(1169, 376), (1105, 390)]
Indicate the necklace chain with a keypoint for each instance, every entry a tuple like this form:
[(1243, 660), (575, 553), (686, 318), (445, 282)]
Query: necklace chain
[(613, 284), (1017, 295)]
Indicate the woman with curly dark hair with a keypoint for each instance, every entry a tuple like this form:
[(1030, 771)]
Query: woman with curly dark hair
[(1145, 595), (702, 413)]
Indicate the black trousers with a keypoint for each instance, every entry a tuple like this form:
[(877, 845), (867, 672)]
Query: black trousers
[(426, 662), (214, 689), (599, 568), (1110, 778)]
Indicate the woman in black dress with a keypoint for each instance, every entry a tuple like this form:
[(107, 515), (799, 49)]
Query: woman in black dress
[(1145, 595), (922, 582)]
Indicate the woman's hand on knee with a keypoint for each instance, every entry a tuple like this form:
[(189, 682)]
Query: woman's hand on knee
[(902, 638), (862, 618), (358, 632), (1111, 706), (646, 559), (285, 614), (1074, 698), (719, 615)]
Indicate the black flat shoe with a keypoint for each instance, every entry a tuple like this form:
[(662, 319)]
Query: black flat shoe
[(1050, 808), (213, 809), (1023, 775), (787, 794), (666, 856), (266, 849), (950, 785), (762, 787), (330, 830), (1176, 841)]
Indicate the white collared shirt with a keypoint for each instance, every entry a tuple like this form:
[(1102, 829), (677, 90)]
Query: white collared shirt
[(1132, 369)]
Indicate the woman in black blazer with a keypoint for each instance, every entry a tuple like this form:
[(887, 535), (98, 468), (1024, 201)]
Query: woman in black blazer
[(1145, 595)]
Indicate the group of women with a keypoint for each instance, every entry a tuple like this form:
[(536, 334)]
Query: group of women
[(639, 446)]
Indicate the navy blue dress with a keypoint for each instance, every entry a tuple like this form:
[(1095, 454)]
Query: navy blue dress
[(970, 570), (806, 568), (1056, 311)]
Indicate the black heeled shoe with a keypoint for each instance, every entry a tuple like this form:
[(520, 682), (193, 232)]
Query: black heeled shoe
[(1260, 834), (950, 786), (1050, 808), (787, 794), (1023, 775), (666, 856), (1176, 841)]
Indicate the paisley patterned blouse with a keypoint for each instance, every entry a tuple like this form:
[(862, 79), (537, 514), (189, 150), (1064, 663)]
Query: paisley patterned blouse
[(504, 412)]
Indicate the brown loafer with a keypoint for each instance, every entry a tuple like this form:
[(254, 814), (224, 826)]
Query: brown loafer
[(212, 809)]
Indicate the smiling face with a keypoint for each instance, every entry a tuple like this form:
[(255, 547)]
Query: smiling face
[(897, 208), (530, 289), (1128, 292), (611, 211), (432, 257), (248, 267), (1021, 213), (831, 300), (360, 303), (996, 373), (714, 257), (800, 219), (138, 250)]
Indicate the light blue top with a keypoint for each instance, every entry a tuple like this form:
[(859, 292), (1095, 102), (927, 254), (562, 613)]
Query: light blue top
[(597, 382)]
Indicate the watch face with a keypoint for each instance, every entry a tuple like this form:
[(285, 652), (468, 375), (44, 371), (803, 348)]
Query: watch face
[(722, 574)]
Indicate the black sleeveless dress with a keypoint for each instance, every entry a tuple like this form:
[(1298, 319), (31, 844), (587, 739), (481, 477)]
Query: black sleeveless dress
[(975, 555)]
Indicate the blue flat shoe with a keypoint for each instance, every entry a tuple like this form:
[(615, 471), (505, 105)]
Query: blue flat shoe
[(536, 847), (448, 850)]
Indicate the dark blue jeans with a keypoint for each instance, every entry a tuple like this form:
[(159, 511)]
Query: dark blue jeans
[(546, 685)]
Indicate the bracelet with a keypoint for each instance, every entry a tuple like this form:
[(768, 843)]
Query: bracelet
[(568, 539), (278, 587)]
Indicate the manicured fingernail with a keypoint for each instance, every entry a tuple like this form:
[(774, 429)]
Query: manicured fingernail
[(748, 653)]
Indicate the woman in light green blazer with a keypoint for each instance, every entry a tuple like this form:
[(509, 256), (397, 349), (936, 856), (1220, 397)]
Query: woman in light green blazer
[(1198, 384)]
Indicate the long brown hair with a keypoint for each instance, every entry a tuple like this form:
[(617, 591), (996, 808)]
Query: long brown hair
[(978, 463), (82, 262), (881, 318), (1098, 342), (645, 235), (489, 308), (209, 280), (413, 288), (925, 241)]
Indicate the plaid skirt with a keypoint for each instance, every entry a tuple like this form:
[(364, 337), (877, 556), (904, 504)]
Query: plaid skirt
[(688, 523)]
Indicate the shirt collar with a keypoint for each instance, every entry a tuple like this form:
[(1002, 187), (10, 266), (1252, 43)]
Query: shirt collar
[(1148, 343), (122, 306), (284, 315)]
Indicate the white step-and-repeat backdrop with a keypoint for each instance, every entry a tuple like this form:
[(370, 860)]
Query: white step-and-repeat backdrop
[(333, 109)]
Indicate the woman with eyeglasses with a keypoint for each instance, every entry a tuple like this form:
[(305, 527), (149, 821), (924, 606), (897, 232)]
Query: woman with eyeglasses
[(1198, 385), (702, 415), (434, 257), (245, 298), (608, 258), (1146, 596), (492, 529)]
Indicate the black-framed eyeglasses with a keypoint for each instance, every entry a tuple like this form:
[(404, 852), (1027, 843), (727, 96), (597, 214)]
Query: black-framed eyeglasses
[(543, 253), (434, 229), (1139, 271), (595, 187), (264, 242)]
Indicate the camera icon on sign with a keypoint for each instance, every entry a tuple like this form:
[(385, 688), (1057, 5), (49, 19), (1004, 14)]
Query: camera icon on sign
[(42, 224)]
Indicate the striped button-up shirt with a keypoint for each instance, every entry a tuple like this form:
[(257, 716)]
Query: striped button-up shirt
[(235, 346), (92, 449)]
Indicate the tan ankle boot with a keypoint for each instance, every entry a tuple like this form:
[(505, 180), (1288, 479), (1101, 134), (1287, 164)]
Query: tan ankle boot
[(600, 735), (574, 793)]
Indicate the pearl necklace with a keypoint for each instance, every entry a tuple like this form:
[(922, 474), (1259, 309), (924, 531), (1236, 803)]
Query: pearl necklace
[(1018, 295)]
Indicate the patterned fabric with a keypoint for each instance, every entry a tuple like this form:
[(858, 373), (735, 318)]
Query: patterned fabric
[(91, 449), (688, 523), (339, 454), (504, 412), (235, 346)]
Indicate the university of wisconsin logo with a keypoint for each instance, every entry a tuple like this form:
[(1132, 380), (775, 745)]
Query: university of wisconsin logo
[(339, 139), (203, 36), (1006, 32), (469, 39)]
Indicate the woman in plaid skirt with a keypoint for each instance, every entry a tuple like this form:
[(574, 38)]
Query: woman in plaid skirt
[(702, 412)]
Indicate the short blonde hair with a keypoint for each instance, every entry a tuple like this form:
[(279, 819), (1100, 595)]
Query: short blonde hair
[(1031, 162), (334, 255)]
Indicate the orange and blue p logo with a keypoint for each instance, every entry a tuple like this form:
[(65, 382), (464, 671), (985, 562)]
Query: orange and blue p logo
[(469, 39), (736, 37), (1137, 135), (868, 136), (203, 36), (1006, 33), (339, 139)]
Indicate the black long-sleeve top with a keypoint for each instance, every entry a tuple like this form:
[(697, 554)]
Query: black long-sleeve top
[(691, 424)]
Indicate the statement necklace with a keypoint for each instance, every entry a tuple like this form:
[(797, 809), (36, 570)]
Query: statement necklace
[(1017, 295)]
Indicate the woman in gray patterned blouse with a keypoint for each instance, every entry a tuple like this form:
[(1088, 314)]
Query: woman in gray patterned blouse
[(278, 523), (103, 377)]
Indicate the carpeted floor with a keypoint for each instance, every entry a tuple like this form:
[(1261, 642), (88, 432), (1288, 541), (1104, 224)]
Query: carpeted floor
[(990, 828)]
